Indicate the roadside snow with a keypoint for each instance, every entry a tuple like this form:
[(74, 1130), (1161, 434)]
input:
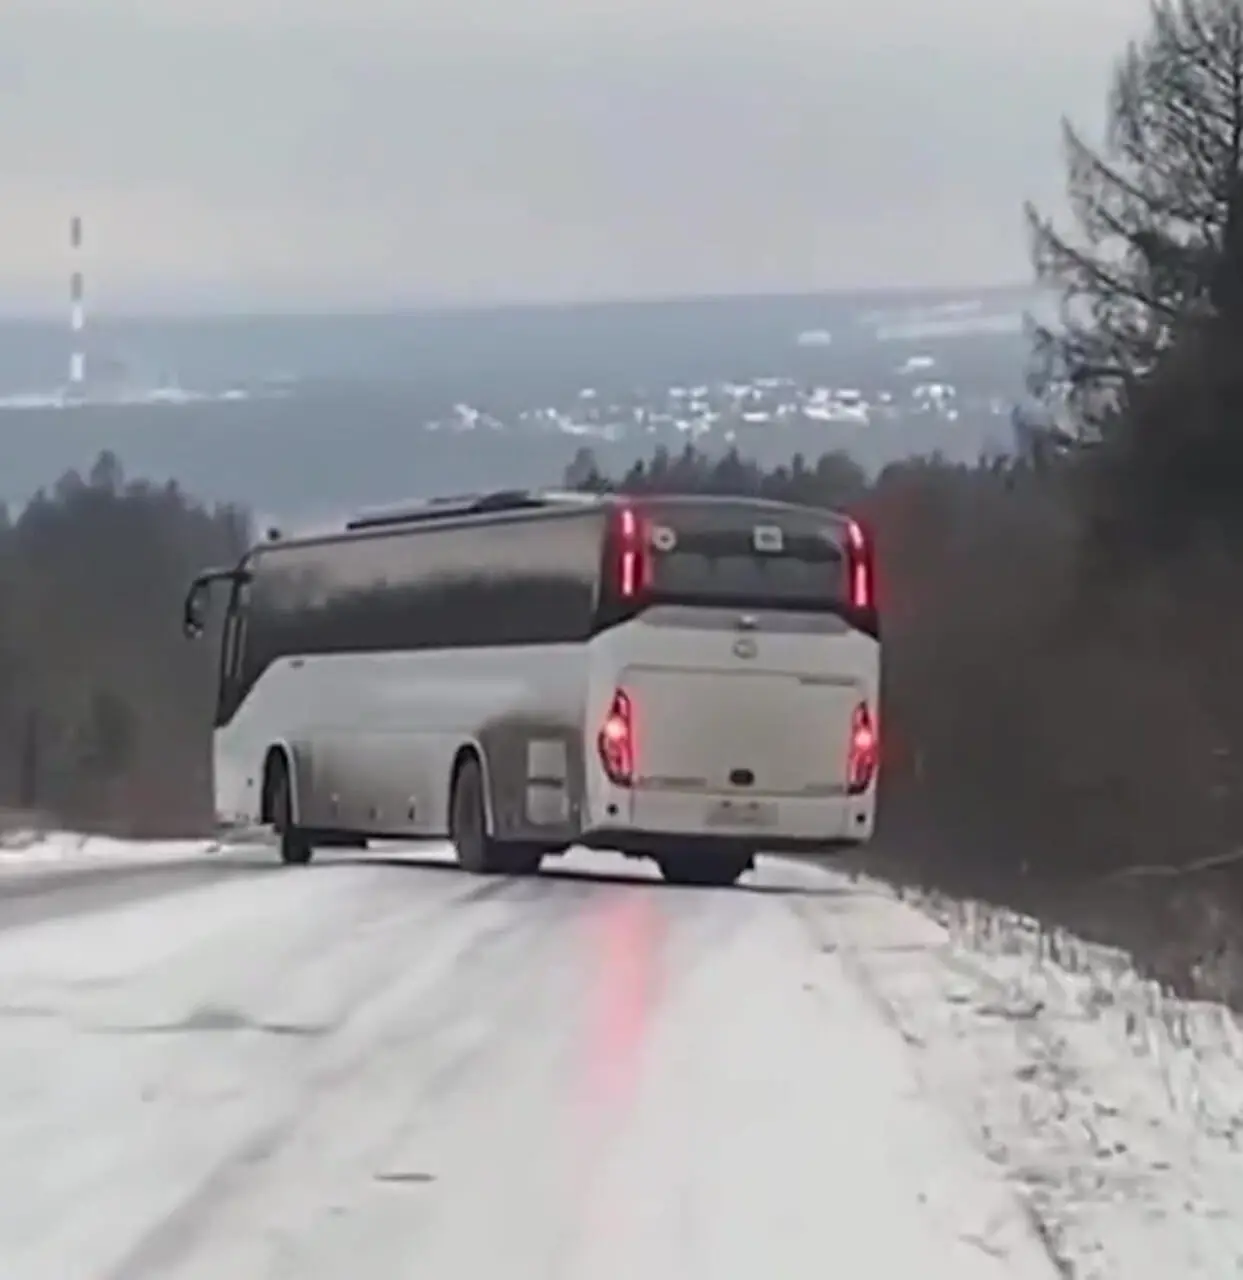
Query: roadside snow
[(39, 850), (1114, 1109)]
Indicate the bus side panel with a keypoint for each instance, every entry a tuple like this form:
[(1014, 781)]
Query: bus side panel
[(272, 714), (532, 736), (236, 782), (377, 735), (379, 656)]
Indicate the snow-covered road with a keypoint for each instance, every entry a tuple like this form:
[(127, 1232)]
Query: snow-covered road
[(384, 1069)]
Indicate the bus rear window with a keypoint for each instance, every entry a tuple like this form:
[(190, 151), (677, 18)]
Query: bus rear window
[(743, 555)]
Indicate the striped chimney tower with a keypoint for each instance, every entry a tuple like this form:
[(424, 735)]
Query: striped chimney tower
[(77, 310)]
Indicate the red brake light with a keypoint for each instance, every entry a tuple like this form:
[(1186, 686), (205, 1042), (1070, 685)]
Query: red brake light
[(616, 741), (632, 558), (864, 755), (860, 567)]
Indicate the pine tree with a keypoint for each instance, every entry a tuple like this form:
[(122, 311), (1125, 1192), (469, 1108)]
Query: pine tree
[(1157, 250)]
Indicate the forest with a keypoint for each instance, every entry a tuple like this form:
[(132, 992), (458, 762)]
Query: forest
[(1063, 697)]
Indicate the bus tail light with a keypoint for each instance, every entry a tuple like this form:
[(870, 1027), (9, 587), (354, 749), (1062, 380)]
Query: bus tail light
[(616, 741), (860, 568), (632, 555), (864, 754)]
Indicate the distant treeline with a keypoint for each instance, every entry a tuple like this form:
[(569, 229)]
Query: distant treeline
[(104, 709)]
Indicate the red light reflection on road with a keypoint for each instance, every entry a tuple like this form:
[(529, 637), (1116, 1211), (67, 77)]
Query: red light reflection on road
[(623, 954), (626, 949)]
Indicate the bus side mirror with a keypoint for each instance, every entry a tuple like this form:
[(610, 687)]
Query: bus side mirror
[(194, 612)]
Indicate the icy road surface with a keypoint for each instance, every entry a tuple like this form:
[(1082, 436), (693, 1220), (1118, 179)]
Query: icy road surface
[(386, 1069)]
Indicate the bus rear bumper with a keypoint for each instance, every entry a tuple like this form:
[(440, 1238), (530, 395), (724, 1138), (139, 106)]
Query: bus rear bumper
[(651, 844), (647, 824)]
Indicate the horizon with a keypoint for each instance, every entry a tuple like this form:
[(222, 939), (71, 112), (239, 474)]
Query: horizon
[(399, 309)]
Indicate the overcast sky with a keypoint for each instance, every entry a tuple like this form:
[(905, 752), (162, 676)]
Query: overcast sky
[(322, 153)]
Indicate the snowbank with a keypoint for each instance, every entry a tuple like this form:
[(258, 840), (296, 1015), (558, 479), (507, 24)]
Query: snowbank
[(31, 850), (1115, 1109)]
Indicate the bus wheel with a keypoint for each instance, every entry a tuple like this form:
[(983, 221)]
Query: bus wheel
[(296, 849), (703, 870), (468, 825), (519, 859), (468, 830)]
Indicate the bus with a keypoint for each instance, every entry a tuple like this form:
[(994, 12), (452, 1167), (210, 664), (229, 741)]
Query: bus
[(684, 678)]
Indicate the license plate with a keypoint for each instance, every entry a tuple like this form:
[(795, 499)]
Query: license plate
[(742, 813)]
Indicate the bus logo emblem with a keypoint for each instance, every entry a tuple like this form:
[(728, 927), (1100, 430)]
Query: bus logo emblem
[(664, 538), (745, 647)]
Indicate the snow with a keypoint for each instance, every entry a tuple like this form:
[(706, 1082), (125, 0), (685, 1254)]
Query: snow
[(385, 1068), (950, 327), (65, 399), (36, 850), (1115, 1108)]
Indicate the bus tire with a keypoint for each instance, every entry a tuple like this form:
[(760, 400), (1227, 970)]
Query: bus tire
[(468, 819), (518, 859), (476, 851), (705, 871), (295, 846)]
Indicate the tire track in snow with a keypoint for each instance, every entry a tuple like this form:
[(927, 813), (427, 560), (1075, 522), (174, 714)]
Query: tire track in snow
[(399, 1016), (37, 897)]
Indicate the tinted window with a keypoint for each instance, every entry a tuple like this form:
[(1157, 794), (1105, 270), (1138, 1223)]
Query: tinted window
[(738, 553), (521, 581)]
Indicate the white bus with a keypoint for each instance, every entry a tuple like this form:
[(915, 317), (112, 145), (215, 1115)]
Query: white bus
[(689, 679)]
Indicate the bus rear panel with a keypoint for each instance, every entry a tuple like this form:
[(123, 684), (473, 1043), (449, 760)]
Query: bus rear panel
[(736, 691)]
